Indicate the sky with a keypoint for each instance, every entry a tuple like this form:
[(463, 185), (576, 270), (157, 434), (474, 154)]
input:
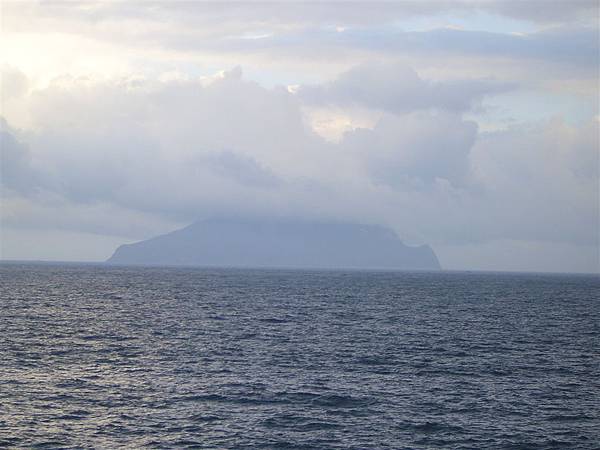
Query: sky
[(472, 126)]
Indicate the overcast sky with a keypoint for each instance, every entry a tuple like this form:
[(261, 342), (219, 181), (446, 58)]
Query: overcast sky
[(472, 126)]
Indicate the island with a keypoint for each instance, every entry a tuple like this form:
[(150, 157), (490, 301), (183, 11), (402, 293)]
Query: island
[(226, 242)]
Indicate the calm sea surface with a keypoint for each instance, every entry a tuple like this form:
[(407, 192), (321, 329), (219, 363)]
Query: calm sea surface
[(111, 357)]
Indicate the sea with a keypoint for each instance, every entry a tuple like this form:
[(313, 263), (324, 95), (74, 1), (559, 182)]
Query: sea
[(95, 356)]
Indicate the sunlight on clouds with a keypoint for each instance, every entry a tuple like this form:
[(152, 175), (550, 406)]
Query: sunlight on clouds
[(454, 127), (45, 56), (255, 36), (332, 123)]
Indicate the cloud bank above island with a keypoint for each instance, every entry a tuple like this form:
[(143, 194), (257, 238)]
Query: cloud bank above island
[(476, 138)]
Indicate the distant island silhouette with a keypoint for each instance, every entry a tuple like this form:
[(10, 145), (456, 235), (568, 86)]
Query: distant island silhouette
[(278, 243)]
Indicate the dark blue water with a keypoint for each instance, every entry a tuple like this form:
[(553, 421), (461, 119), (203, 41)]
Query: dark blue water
[(106, 357)]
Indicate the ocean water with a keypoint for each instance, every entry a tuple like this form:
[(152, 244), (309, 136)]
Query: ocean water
[(116, 357)]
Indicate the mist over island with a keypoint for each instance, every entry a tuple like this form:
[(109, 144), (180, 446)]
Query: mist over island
[(278, 243), (217, 221)]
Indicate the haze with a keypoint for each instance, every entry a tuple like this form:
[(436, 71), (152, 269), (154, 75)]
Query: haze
[(468, 126)]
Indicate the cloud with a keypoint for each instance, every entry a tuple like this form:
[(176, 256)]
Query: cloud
[(163, 147), (13, 83), (412, 151), (575, 48), (563, 45), (294, 13), (103, 36), (544, 182), (245, 170), (139, 156), (119, 125), (547, 11), (396, 88), (18, 171), (14, 160)]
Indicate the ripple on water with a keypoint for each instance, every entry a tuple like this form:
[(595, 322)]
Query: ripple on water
[(110, 357)]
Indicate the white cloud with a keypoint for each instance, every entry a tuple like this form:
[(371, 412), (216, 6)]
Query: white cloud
[(396, 88), (415, 149), (120, 127), (136, 157)]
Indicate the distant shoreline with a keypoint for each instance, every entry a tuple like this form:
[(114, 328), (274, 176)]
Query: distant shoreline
[(105, 264)]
